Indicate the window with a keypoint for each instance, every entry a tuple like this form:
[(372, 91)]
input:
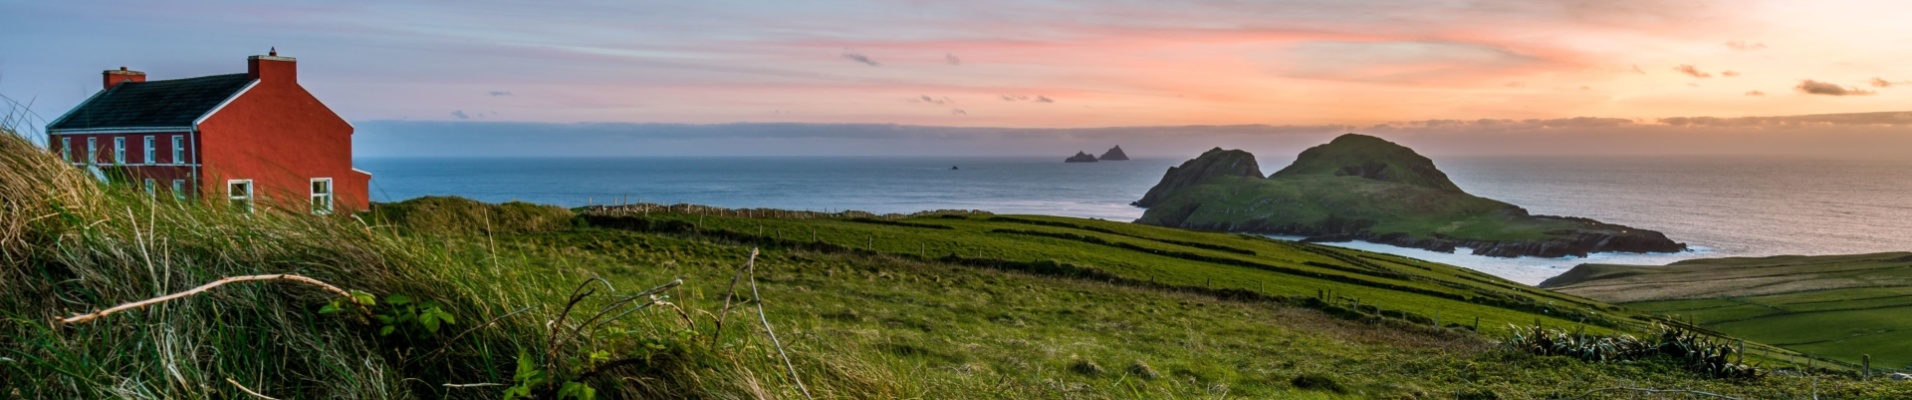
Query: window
[(119, 151), (92, 150), (150, 151), (152, 188), (179, 149), (239, 194), (66, 149), (179, 189), (321, 196)]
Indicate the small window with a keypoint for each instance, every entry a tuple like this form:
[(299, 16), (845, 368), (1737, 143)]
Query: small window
[(92, 150), (179, 149), (239, 193), (322, 196), (119, 151), (179, 189), (66, 149), (152, 187), (151, 152)]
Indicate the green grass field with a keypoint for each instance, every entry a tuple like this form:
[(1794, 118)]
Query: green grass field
[(930, 306), (1840, 307)]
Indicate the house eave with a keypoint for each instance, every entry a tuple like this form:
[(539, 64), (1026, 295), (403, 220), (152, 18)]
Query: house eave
[(129, 129)]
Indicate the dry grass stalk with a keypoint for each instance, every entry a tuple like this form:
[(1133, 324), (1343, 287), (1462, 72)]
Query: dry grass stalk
[(730, 294), (752, 267), (243, 388), (83, 318)]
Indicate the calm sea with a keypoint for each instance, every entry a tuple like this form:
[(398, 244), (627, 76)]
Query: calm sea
[(1720, 206)]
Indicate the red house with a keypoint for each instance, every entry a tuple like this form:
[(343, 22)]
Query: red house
[(256, 138)]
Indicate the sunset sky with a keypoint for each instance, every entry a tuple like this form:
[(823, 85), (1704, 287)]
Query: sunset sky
[(996, 63)]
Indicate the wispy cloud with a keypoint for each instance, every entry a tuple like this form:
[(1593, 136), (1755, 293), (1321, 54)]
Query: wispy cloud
[(926, 99), (1691, 71), (1024, 97), (1729, 74), (1742, 45), (460, 114), (957, 111), (1830, 89), (499, 93), (1880, 82), (859, 57), (951, 58), (1514, 85), (1755, 93)]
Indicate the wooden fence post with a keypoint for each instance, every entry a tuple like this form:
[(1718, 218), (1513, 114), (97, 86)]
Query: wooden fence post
[(1867, 360), (1477, 323)]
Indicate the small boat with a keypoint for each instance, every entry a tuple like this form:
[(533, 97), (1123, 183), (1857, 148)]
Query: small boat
[(953, 168)]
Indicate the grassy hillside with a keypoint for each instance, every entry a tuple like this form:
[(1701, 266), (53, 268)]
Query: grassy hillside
[(1243, 265), (1840, 307), (950, 305), (1365, 188), (1352, 203)]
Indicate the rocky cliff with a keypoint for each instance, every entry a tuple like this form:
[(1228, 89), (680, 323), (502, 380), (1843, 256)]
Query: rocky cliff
[(1080, 156), (1365, 188), (1114, 154), (1213, 164)]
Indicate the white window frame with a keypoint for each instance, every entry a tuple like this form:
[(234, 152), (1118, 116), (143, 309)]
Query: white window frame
[(152, 187), (92, 150), (66, 148), (119, 150), (179, 149), (250, 199), (179, 189), (152, 152), (322, 202)]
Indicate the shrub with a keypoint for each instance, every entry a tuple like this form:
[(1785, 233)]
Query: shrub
[(1085, 366), (1143, 370), (1693, 351), (1315, 381), (457, 215)]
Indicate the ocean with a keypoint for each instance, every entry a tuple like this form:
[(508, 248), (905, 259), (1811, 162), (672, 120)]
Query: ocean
[(1719, 206)]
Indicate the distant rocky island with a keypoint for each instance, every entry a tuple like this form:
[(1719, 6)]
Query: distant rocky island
[(1114, 154), (1361, 187)]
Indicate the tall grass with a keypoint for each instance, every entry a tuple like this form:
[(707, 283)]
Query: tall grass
[(69, 245)]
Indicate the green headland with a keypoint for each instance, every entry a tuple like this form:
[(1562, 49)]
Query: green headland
[(1364, 188)]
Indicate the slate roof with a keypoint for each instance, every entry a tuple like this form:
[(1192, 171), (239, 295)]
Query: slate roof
[(167, 103)]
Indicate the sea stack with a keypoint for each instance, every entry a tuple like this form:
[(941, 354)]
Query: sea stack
[(1114, 154), (1364, 188), (1081, 156)]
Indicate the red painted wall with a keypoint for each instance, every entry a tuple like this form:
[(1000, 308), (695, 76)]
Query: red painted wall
[(136, 168), (280, 136)]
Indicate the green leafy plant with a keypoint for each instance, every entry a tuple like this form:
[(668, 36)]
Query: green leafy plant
[(411, 318), (397, 315)]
